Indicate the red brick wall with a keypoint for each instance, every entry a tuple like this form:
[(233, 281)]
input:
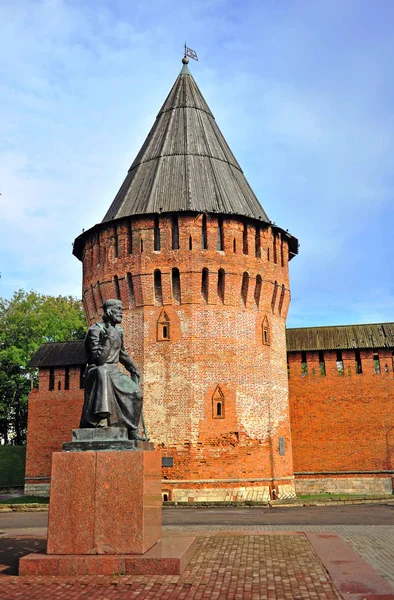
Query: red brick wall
[(51, 417), (342, 422), (213, 342)]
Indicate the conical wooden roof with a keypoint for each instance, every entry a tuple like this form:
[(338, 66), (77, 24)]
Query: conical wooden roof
[(185, 164)]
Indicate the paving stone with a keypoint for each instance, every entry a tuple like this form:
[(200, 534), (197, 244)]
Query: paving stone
[(223, 566), (226, 565)]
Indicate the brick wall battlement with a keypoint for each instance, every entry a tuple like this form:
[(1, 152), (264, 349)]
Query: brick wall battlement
[(204, 319), (120, 260), (342, 412)]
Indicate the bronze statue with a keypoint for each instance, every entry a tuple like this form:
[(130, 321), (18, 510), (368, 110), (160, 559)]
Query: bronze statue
[(111, 397)]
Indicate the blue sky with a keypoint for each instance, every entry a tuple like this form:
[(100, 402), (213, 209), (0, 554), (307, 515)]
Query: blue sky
[(302, 90)]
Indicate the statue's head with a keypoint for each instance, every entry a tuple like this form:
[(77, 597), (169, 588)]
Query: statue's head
[(113, 311)]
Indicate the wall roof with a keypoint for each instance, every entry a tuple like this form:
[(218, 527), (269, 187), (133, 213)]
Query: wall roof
[(59, 354), (340, 337)]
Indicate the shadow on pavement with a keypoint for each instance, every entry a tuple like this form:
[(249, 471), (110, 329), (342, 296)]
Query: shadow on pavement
[(12, 549)]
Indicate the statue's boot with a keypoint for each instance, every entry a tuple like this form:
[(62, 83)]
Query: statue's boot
[(103, 420), (134, 435)]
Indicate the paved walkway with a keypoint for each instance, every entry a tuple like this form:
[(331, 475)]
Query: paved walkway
[(239, 562), (250, 567), (374, 543)]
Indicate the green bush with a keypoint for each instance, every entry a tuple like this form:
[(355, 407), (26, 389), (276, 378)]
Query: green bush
[(12, 466)]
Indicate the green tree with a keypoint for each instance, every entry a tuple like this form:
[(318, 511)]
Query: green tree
[(27, 320)]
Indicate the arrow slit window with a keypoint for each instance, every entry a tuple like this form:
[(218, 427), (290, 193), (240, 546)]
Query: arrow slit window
[(163, 327), (218, 404), (266, 332)]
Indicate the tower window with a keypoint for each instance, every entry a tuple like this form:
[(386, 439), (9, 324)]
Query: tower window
[(190, 243), (93, 298), (274, 295), (257, 243), (176, 285), (116, 243), (220, 235), (204, 284), (82, 377), (322, 364), (117, 288), (275, 250), (359, 366), (221, 284), (245, 239), (98, 249), (245, 287), (142, 246), (266, 332), (158, 287), (100, 294), (281, 299), (376, 364), (282, 259), (51, 379), (129, 238), (340, 363), (234, 246), (204, 233), (304, 364), (163, 327), (257, 290), (67, 378), (130, 285), (156, 235), (175, 233), (218, 404)]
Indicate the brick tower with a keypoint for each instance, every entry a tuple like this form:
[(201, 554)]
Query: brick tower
[(203, 277)]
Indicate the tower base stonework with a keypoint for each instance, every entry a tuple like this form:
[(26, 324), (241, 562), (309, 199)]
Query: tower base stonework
[(105, 516)]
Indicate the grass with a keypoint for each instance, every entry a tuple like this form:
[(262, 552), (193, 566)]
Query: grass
[(26, 500)]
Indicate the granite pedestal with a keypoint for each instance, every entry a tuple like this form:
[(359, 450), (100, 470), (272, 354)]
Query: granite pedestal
[(105, 510)]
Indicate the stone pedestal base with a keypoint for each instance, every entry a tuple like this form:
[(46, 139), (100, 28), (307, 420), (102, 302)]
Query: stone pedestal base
[(105, 511), (104, 502), (167, 557)]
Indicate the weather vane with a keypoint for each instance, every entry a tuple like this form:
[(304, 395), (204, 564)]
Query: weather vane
[(191, 53)]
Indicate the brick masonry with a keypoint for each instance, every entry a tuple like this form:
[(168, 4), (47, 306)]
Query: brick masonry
[(343, 422), (224, 343), (199, 341)]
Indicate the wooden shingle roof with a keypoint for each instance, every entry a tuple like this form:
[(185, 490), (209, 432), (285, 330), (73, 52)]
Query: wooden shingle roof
[(59, 354), (341, 337), (185, 164)]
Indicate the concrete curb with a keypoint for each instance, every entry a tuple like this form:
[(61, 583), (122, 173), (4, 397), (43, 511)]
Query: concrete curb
[(389, 500), (282, 503), (33, 507)]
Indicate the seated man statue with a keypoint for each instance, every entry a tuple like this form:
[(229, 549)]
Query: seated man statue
[(111, 397)]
